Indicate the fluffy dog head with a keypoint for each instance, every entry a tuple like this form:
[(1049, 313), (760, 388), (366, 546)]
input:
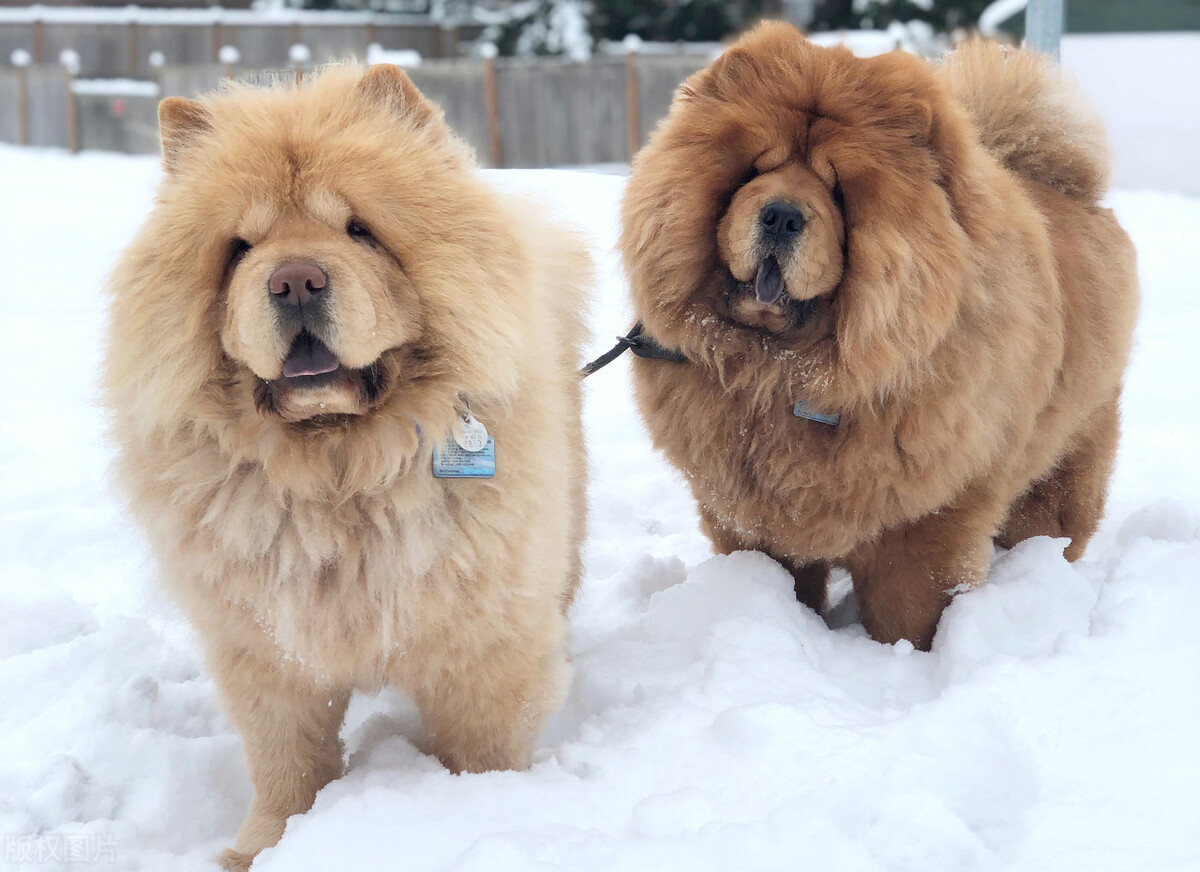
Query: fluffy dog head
[(322, 265), (797, 221)]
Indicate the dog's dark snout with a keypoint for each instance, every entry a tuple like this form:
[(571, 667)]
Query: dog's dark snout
[(781, 220), (297, 283)]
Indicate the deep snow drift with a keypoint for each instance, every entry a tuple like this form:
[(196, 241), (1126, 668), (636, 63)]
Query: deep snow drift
[(713, 723)]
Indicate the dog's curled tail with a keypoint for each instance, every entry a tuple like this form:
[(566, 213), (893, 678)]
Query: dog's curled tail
[(1031, 116)]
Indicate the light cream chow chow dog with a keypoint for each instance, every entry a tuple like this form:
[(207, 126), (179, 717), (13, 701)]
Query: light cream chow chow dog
[(343, 373)]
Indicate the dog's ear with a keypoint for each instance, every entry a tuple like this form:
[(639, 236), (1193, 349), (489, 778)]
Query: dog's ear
[(761, 55), (907, 258), (180, 123), (686, 91), (728, 77), (909, 183), (390, 87)]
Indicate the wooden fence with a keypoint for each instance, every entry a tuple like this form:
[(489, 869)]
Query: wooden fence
[(513, 113)]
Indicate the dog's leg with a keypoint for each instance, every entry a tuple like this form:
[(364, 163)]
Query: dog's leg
[(904, 579), (1069, 502), (289, 729), (811, 583), (724, 540), (483, 705)]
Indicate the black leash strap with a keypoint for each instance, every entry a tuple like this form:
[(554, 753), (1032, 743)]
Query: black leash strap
[(640, 344)]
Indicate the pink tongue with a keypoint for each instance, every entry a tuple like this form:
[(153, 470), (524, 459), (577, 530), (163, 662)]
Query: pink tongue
[(768, 284), (309, 356)]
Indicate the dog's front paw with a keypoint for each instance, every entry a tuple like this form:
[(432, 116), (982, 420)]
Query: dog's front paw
[(235, 861)]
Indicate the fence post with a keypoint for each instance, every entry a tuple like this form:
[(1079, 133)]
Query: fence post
[(1044, 24), (157, 60), (21, 60), (449, 40), (299, 55), (491, 99), (135, 53), (39, 41), (230, 57), (70, 63), (633, 96)]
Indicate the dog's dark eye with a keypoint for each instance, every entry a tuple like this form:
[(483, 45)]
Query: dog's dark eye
[(359, 230), (751, 175), (237, 250)]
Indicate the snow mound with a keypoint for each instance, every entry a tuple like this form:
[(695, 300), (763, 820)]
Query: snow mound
[(713, 723)]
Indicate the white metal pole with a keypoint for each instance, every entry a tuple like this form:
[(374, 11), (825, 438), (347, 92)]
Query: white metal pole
[(1043, 25)]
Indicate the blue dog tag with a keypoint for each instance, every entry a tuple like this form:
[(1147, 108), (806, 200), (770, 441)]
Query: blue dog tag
[(450, 460), (804, 410)]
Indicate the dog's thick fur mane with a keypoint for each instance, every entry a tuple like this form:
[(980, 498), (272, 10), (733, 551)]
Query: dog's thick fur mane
[(166, 369), (919, 176)]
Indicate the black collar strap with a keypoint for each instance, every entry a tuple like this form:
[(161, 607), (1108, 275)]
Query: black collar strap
[(640, 344), (645, 346)]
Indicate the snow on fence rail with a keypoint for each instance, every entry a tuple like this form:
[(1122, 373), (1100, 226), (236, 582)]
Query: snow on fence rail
[(208, 15), (115, 43)]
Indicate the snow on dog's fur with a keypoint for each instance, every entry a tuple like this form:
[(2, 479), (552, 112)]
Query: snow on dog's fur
[(275, 427), (916, 249)]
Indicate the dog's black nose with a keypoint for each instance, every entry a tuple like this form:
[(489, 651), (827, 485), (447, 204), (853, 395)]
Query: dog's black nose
[(297, 283), (781, 220)]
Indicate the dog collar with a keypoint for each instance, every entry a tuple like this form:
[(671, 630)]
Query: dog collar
[(640, 344), (808, 413), (644, 345)]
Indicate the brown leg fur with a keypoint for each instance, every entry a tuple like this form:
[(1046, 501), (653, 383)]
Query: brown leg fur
[(724, 540), (1069, 502), (811, 583), (810, 580), (289, 729), (904, 580)]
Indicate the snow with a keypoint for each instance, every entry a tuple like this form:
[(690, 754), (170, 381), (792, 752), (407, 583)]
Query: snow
[(69, 58), (115, 87), (299, 53), (914, 36), (405, 57), (1144, 87), (713, 723), (634, 43), (209, 15), (864, 43), (997, 13), (229, 55), (559, 28), (565, 31)]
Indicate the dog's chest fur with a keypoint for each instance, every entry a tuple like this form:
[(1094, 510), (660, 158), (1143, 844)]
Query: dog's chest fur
[(337, 584), (812, 489)]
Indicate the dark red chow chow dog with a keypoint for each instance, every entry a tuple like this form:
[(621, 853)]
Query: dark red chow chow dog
[(904, 314)]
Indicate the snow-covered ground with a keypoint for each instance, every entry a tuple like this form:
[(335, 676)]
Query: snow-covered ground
[(714, 724), (1139, 83)]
